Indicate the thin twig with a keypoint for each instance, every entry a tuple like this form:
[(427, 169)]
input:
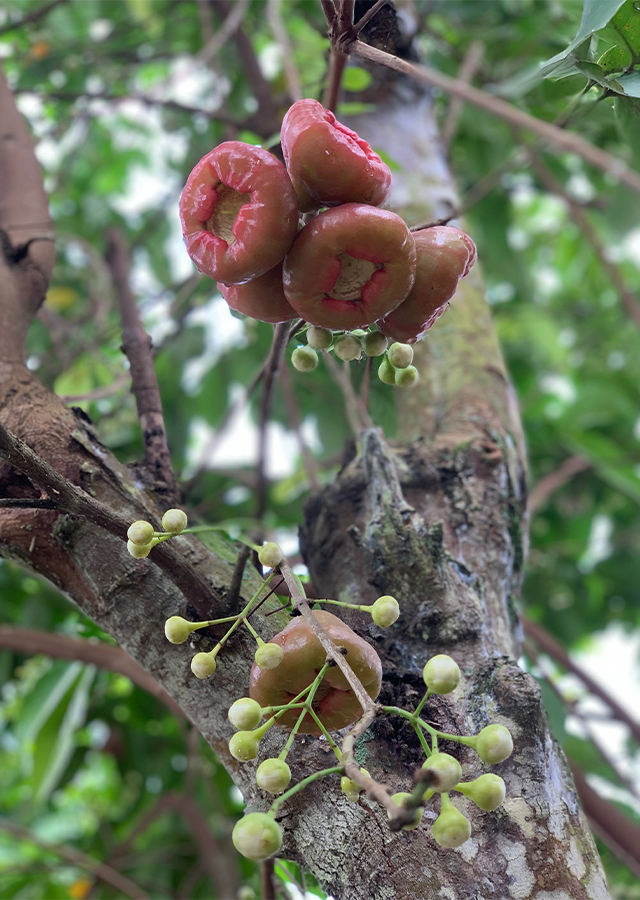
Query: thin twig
[(235, 584), (357, 414), (337, 62), (267, 880), (272, 365), (293, 411), (563, 140), (31, 17), (468, 68), (100, 393), (366, 17), (281, 35), (549, 484), (25, 503)]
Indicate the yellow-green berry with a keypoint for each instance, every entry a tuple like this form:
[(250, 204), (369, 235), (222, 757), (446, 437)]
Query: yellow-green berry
[(319, 338), (407, 377), (273, 775), (139, 551), (347, 347), (385, 611), (488, 791), (451, 828), (174, 521), (304, 359), (441, 674), (446, 770), (400, 355), (257, 836), (386, 372), (245, 714), (203, 665), (399, 799), (269, 656), (350, 788), (244, 745), (494, 744), (374, 343), (270, 555), (140, 532), (177, 629)]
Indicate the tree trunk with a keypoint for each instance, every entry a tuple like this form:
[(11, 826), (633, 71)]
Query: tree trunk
[(437, 520)]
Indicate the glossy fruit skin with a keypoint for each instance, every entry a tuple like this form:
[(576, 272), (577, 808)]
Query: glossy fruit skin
[(385, 611), (261, 298), (329, 163), (487, 792), (174, 521), (264, 227), (335, 703), (140, 532), (245, 714), (312, 267), (304, 359), (444, 256)]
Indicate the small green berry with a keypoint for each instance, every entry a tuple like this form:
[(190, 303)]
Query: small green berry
[(319, 338), (400, 355), (270, 555), (244, 745), (407, 377), (257, 836), (203, 665), (385, 611), (174, 521), (451, 828), (446, 770), (273, 775), (245, 714), (386, 372), (139, 551), (374, 343), (177, 629), (140, 532), (304, 359), (494, 744), (347, 347), (269, 656), (351, 789), (488, 791), (399, 798), (441, 674)]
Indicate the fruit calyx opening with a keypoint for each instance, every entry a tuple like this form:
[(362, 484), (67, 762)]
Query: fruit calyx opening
[(354, 275), (227, 204)]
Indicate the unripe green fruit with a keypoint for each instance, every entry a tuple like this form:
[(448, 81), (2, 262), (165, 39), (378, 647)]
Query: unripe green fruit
[(441, 674), (140, 532), (269, 656), (385, 611), (386, 372), (177, 629), (494, 744), (399, 798), (139, 551), (273, 775), (245, 714), (446, 769), (400, 355), (174, 521), (451, 828), (257, 836), (270, 555), (304, 359), (203, 665), (244, 745), (374, 343), (351, 789), (319, 338), (407, 377), (488, 791), (347, 347)]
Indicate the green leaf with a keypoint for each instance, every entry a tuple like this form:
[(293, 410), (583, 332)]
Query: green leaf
[(595, 15), (630, 84), (42, 701), (356, 79), (628, 120)]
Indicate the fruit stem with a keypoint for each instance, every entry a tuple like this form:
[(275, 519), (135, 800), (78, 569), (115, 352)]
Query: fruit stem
[(337, 770)]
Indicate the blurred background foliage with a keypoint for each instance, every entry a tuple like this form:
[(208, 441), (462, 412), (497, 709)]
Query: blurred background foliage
[(123, 99)]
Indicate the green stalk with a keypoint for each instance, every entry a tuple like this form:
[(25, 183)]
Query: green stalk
[(303, 784)]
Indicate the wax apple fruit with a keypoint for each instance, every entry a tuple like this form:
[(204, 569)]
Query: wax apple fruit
[(329, 163), (335, 703), (239, 212), (349, 266), (444, 256), (261, 298)]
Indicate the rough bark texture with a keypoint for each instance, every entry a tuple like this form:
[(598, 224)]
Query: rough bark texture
[(436, 520)]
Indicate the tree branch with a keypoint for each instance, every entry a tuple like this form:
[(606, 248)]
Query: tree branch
[(549, 484)]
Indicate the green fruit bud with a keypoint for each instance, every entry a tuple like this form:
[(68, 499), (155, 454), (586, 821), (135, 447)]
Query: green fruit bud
[(451, 828), (270, 555), (385, 611), (446, 770), (494, 744), (269, 656), (273, 775), (139, 551), (257, 836), (488, 791), (351, 789), (304, 359), (203, 665), (407, 377), (374, 343), (244, 745), (386, 372), (174, 521), (399, 799), (319, 338), (347, 347), (400, 355), (177, 629), (140, 532), (441, 674), (245, 714)]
